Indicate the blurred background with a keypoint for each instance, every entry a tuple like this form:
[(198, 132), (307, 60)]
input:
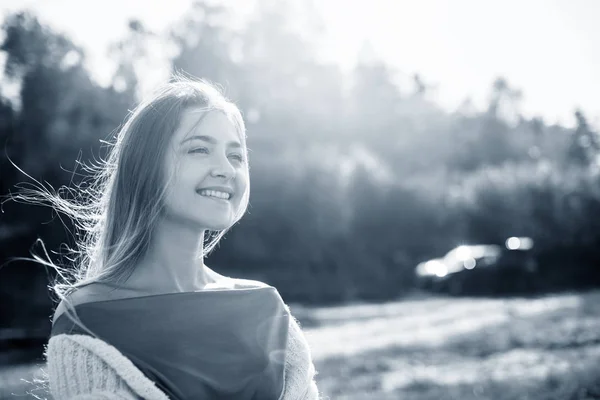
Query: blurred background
[(425, 176)]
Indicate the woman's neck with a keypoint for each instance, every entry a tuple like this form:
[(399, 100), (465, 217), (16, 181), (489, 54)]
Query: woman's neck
[(173, 262)]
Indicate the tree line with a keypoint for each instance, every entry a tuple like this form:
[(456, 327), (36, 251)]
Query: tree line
[(354, 179)]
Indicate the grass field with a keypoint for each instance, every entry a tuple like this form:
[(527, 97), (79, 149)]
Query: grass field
[(445, 348)]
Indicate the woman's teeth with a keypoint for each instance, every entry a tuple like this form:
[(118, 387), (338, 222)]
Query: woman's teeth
[(215, 193)]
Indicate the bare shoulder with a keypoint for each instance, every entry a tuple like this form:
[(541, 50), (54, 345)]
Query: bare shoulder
[(249, 283), (227, 281)]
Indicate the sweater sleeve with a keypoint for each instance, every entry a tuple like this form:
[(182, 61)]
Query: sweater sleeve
[(76, 373), (300, 372)]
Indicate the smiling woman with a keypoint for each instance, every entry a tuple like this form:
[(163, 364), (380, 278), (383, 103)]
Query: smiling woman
[(142, 310), (211, 166)]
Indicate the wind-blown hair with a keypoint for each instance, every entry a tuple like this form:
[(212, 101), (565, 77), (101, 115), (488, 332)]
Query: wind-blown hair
[(115, 215)]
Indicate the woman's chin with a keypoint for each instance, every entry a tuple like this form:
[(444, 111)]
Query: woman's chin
[(216, 224)]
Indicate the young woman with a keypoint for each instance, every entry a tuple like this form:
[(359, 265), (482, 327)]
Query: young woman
[(144, 317)]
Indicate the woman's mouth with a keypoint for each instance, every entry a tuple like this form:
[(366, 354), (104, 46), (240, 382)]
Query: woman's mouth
[(215, 194)]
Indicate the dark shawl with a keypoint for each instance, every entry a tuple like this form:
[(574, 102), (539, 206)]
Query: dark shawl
[(211, 344)]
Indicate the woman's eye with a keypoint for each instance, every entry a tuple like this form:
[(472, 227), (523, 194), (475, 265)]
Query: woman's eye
[(239, 157), (198, 150)]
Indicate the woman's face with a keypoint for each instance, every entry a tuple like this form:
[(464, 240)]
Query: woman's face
[(210, 171)]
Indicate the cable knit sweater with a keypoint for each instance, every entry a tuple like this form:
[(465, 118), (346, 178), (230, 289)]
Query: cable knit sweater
[(80, 367)]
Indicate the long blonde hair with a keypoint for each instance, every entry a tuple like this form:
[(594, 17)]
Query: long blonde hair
[(116, 213)]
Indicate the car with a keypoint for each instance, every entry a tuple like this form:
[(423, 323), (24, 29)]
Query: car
[(482, 269)]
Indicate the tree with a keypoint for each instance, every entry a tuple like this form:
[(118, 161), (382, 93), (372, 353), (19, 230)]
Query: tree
[(504, 100), (203, 43), (584, 147), (130, 52)]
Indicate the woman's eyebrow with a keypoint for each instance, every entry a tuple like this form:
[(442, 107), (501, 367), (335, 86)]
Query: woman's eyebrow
[(209, 139)]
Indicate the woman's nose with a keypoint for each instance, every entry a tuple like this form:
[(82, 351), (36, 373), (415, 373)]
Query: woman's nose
[(222, 167)]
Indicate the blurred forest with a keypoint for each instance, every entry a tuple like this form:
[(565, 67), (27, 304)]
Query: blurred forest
[(354, 179)]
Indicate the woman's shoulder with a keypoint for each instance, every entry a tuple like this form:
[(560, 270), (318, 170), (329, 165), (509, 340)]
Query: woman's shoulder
[(95, 291), (231, 282), (70, 357), (249, 283), (74, 298)]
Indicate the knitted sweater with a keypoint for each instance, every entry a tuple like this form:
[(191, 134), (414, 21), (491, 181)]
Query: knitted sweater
[(81, 367)]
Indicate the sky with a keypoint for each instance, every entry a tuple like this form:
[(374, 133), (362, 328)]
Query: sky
[(545, 48)]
